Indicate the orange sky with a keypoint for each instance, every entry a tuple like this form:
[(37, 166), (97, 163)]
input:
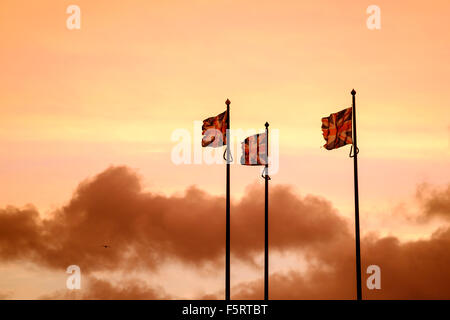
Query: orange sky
[(75, 102)]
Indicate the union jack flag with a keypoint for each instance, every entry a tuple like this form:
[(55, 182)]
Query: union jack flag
[(337, 129), (214, 131), (254, 150)]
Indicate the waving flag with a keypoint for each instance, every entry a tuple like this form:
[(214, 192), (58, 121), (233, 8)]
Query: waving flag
[(214, 130), (337, 129), (254, 150)]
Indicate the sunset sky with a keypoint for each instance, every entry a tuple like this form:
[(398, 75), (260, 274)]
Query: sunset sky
[(86, 119)]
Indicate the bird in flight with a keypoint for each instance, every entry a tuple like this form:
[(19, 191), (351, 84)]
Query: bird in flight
[(106, 246)]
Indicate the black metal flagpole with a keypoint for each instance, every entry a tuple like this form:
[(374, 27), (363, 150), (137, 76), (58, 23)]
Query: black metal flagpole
[(355, 162), (227, 227), (266, 220)]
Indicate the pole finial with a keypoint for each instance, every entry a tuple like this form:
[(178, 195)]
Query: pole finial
[(266, 124), (353, 92), (228, 102)]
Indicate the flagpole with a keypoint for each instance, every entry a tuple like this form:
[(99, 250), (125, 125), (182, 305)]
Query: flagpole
[(355, 175), (227, 227), (266, 219)]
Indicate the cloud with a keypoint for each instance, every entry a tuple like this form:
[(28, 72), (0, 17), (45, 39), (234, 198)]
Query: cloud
[(411, 270), (100, 289), (145, 229), (435, 202)]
